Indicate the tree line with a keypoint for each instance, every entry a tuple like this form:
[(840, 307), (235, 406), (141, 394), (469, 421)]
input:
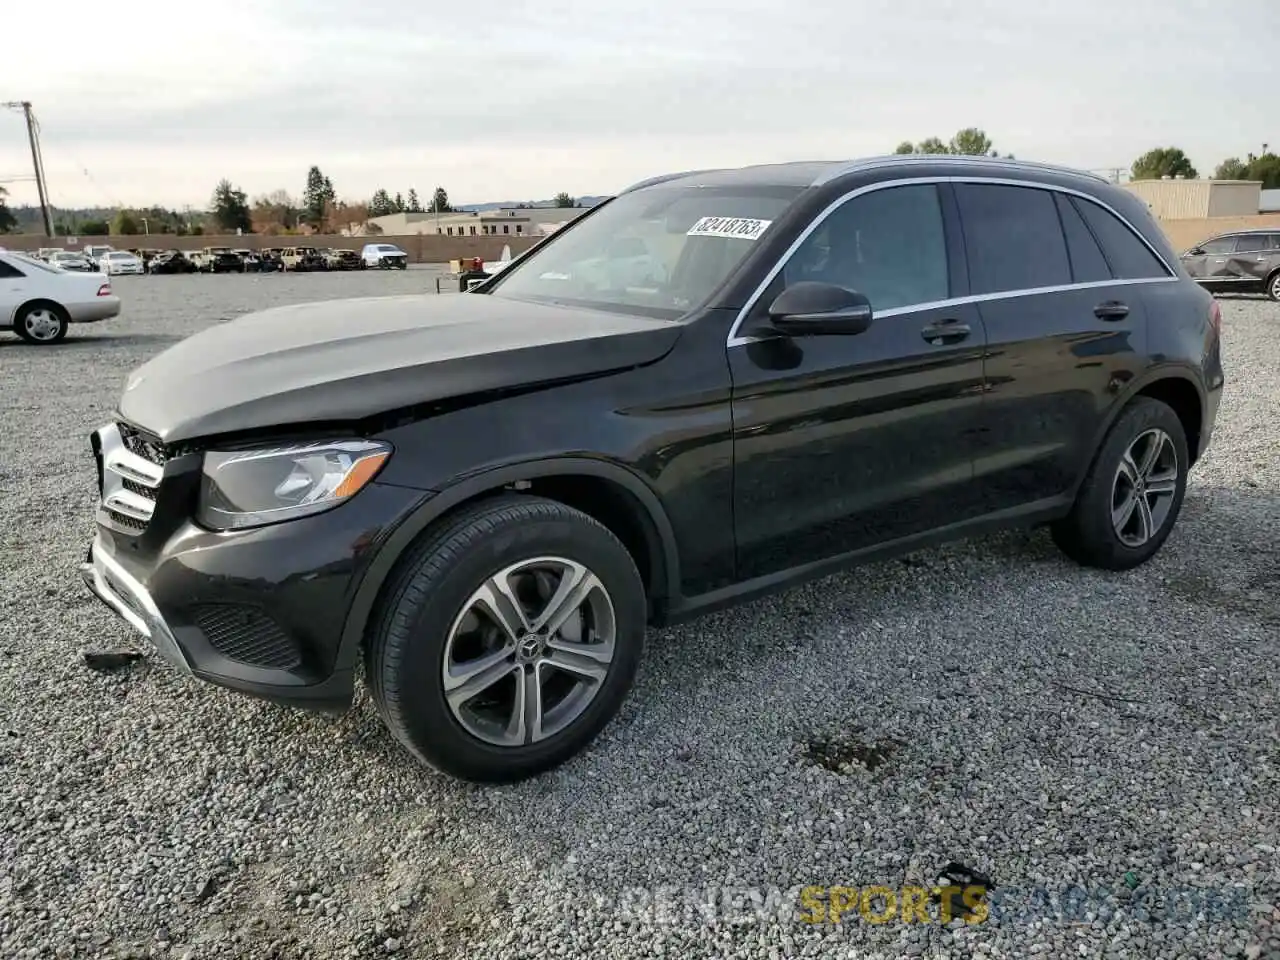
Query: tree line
[(319, 207), (1156, 163), (1173, 162)]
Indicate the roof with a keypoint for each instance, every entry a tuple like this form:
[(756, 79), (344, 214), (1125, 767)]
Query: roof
[(1249, 230), (813, 173)]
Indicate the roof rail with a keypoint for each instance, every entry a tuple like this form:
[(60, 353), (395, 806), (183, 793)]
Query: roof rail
[(870, 163), (652, 181)]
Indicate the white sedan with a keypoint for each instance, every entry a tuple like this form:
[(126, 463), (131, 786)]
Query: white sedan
[(38, 301), (119, 261)]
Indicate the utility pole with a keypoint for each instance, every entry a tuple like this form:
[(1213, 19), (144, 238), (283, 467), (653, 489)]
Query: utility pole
[(36, 162)]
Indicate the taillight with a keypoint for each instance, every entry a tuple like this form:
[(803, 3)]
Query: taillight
[(1215, 318), (104, 290)]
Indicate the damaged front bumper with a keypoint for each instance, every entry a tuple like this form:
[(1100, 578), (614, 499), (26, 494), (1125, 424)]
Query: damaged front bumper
[(115, 587)]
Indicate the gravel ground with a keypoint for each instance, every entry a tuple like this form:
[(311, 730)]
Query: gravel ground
[(1103, 747)]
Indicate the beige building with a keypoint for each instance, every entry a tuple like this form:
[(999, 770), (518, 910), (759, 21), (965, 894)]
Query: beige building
[(1180, 199), (503, 222)]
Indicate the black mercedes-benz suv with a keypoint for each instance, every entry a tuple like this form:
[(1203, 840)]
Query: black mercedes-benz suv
[(715, 384)]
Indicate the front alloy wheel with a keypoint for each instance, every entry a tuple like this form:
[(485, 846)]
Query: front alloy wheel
[(529, 651), (507, 638)]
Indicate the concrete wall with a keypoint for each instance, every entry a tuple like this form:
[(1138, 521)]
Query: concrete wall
[(1197, 199), (422, 248), (1174, 199), (1240, 198), (1184, 234)]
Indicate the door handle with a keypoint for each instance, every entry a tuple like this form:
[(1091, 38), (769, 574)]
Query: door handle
[(1111, 310), (946, 331), (1220, 261)]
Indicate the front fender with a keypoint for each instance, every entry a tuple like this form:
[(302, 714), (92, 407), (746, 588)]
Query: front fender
[(437, 503)]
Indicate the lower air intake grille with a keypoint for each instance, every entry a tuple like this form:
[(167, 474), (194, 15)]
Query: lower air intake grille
[(246, 634)]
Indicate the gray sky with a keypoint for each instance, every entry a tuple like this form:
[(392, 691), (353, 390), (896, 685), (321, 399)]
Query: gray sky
[(159, 100)]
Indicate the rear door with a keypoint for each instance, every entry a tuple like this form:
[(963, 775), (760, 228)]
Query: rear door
[(845, 442), (1251, 261), (1064, 325), (11, 290)]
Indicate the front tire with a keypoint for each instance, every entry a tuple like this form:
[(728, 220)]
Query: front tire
[(41, 323), (1132, 495), (508, 638)]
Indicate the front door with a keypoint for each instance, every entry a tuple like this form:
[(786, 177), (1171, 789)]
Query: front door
[(845, 442)]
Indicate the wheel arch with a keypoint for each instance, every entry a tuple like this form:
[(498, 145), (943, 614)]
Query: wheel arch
[(612, 494), (17, 311), (1174, 385), (1271, 279)]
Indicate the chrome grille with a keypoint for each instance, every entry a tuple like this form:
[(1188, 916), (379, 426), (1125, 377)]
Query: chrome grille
[(131, 468), (137, 443)]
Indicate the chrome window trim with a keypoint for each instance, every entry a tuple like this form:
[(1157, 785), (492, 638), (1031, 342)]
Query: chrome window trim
[(733, 340)]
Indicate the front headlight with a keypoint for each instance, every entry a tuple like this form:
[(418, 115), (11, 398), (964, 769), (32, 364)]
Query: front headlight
[(250, 488)]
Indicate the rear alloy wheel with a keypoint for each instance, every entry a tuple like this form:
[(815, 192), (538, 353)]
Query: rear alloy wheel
[(1273, 286), (41, 323), (508, 639), (1132, 495)]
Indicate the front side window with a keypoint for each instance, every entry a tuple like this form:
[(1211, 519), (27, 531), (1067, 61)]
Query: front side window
[(888, 245), (1013, 238), (1219, 246), (658, 251)]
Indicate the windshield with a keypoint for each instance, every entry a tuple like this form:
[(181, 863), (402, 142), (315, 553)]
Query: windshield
[(659, 251)]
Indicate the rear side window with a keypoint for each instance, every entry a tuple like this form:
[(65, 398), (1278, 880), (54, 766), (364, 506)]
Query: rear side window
[(1130, 258), (1251, 242), (1013, 238), (1272, 242), (1088, 265)]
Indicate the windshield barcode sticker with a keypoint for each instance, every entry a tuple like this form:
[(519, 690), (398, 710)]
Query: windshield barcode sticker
[(740, 228)]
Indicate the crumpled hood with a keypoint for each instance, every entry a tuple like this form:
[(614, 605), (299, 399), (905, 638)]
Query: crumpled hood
[(344, 360)]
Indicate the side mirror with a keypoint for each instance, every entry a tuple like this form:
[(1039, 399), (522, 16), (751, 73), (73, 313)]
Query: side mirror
[(1195, 252), (810, 308)]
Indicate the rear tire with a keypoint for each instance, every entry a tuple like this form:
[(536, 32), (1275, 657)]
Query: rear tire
[(1273, 286), (434, 619), (41, 323), (1142, 461)]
